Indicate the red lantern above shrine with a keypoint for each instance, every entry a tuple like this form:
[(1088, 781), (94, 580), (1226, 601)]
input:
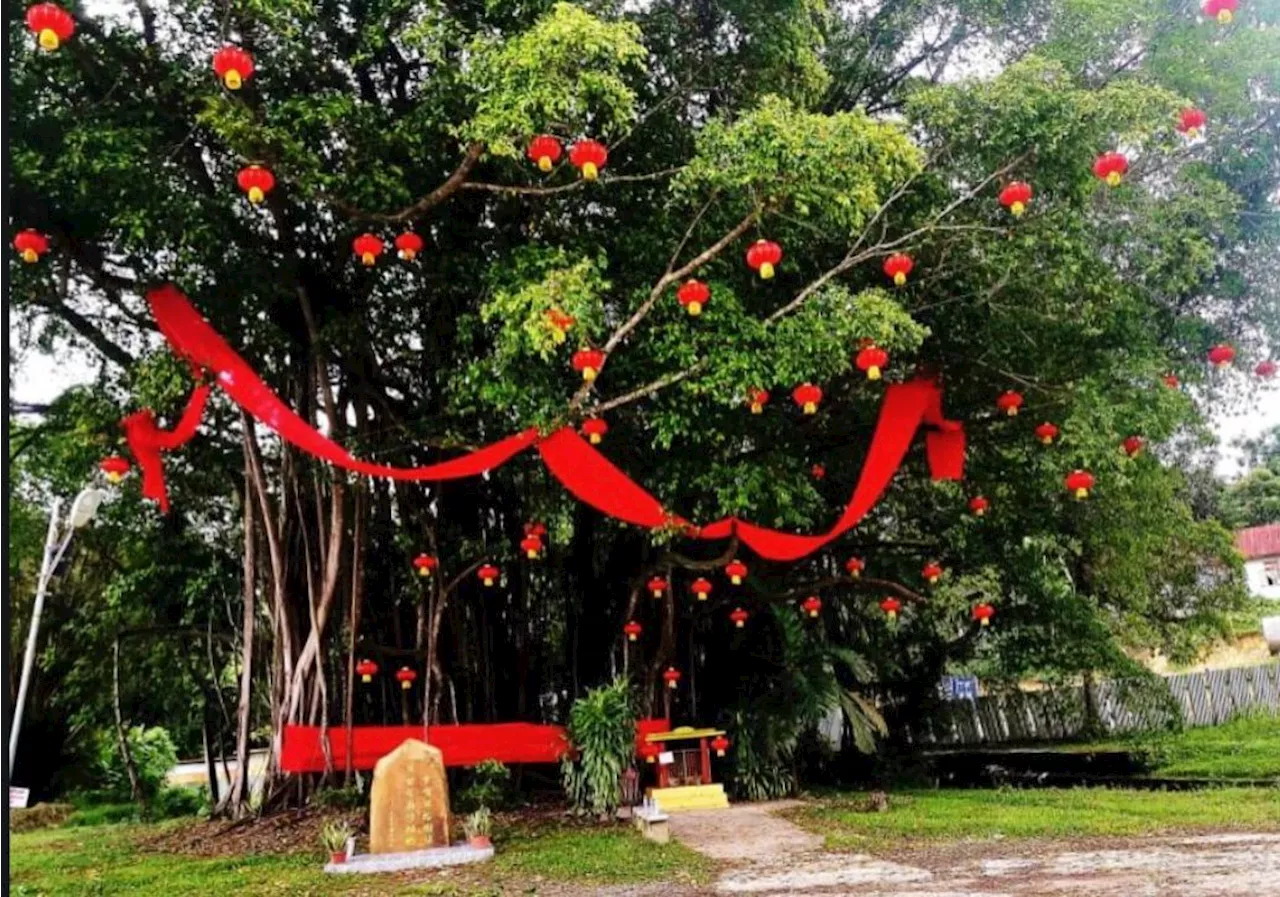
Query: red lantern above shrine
[(891, 607), (807, 396), (735, 570), (488, 574), (1046, 433), (31, 244), (367, 248), (897, 267), (931, 572), (719, 744), (1222, 10), (693, 295), (1266, 369), (588, 362), (1009, 402), (855, 566), (1221, 355), (531, 545), (256, 181), (763, 256), (657, 586), (594, 428), (757, 399), (1133, 446), (1015, 197), (1111, 167), (51, 24), (545, 150), (872, 359), (408, 245), (114, 468), (233, 65), (588, 156), (701, 588), (633, 630), (739, 617), (406, 677), (812, 606), (978, 505), (672, 677), (559, 323), (1079, 483), (983, 612), (366, 669), (818, 471), (1191, 122), (425, 564)]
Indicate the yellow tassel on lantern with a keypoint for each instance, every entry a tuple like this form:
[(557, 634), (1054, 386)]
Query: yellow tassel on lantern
[(232, 79), (488, 580), (256, 195), (30, 256), (810, 407), (48, 39), (1082, 494), (899, 279), (1114, 178), (873, 373), (766, 271), (589, 374), (544, 163), (1225, 17), (368, 258), (694, 308), (1017, 209), (589, 171)]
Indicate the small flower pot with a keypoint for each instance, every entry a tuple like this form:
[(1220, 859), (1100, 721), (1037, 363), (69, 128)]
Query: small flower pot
[(337, 857), (480, 842)]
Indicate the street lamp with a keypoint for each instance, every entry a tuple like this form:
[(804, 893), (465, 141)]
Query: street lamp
[(55, 546)]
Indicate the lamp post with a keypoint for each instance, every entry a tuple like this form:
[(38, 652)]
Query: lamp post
[(55, 547)]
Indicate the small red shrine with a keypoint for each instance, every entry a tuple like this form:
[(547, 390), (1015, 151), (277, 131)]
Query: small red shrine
[(682, 757)]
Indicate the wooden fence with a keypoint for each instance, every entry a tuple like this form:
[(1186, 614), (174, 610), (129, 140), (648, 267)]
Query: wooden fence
[(1204, 699)]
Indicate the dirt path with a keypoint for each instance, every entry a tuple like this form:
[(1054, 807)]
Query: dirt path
[(767, 855)]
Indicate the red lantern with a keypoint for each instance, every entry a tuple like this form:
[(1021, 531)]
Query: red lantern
[(978, 505), (735, 570), (693, 295), (233, 65), (1079, 483), (256, 181), (931, 572), (559, 323), (406, 676), (650, 752), (1046, 433), (1222, 355), (367, 669), (763, 256), (1222, 10), (897, 267), (588, 362), (1111, 167), (588, 156), (531, 545), (51, 24), (983, 612), (535, 528), (1171, 381), (855, 566), (812, 606), (408, 245), (671, 677), (633, 630), (31, 244), (1009, 402), (818, 471), (719, 744), (1015, 197), (701, 587), (1266, 369), (1133, 446), (1191, 121), (891, 606), (488, 574), (114, 468), (807, 396), (425, 564), (739, 617), (656, 586), (594, 428), (872, 359), (545, 150), (367, 248), (757, 399)]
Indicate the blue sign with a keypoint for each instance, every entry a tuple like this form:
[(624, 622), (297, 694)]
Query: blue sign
[(960, 687)]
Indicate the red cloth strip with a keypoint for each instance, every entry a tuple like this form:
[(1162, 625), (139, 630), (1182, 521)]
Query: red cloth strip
[(146, 442), (593, 479), (467, 745)]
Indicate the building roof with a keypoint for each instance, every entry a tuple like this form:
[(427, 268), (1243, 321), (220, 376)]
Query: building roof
[(1259, 541)]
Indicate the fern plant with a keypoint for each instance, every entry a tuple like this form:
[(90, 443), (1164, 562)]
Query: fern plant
[(602, 729)]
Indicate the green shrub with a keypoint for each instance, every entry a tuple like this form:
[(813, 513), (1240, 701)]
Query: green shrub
[(40, 816), (348, 797), (488, 787), (154, 754), (105, 814), (602, 729), (171, 803)]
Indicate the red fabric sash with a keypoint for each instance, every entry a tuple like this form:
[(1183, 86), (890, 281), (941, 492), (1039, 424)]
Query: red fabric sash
[(146, 442)]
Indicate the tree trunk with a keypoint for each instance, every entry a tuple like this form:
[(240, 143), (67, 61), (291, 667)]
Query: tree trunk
[(237, 793), (122, 734), (211, 766)]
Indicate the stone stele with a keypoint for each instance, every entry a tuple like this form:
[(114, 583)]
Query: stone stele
[(409, 801)]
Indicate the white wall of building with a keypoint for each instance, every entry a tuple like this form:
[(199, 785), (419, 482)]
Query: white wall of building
[(1263, 577)]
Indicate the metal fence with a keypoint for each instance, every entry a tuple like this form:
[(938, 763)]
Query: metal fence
[(1204, 699)]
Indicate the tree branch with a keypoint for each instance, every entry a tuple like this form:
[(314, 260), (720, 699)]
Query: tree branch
[(450, 186), (520, 190)]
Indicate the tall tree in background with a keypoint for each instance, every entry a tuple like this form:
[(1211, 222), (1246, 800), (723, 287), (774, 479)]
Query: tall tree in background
[(844, 134)]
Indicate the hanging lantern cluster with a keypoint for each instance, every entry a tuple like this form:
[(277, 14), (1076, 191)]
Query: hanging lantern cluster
[(31, 244), (1047, 433), (545, 151), (891, 607), (818, 471), (719, 744), (1133, 446), (701, 588), (1191, 122), (931, 572), (1015, 197), (1266, 369), (233, 66), (595, 428), (425, 564), (531, 545), (807, 396), (897, 267), (812, 606), (872, 361), (1079, 483), (757, 399), (114, 468), (672, 677), (366, 669), (256, 181), (408, 245), (736, 571), (588, 362), (739, 618), (657, 586), (978, 505), (693, 296), (763, 257), (1171, 381), (559, 324), (854, 567), (1221, 355), (51, 24), (488, 575), (1009, 402), (1224, 11), (367, 247), (406, 677), (983, 612), (633, 630), (588, 156), (1111, 168)]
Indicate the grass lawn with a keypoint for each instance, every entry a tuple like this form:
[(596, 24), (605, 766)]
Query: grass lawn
[(917, 818), (103, 860), (1244, 748)]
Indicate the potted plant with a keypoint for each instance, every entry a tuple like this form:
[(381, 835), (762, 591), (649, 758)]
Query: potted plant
[(335, 836), (477, 827)]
